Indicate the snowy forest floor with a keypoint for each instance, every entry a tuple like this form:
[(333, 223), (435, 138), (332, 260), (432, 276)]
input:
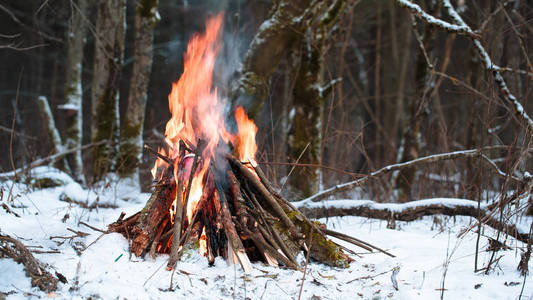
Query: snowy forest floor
[(430, 258)]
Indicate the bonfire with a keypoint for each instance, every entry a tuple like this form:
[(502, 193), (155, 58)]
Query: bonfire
[(209, 190)]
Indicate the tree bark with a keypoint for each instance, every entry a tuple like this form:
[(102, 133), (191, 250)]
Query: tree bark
[(310, 92), (131, 134), (105, 85), (414, 110), (51, 129), (72, 107), (271, 43)]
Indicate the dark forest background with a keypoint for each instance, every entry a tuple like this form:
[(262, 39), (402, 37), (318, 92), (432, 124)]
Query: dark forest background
[(339, 88)]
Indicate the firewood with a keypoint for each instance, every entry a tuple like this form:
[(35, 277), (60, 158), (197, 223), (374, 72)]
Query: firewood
[(122, 225), (152, 215), (157, 238), (264, 179), (178, 215), (267, 196), (232, 236), (274, 232)]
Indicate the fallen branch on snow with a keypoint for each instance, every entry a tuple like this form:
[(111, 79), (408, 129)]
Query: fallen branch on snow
[(409, 211), (48, 160), (10, 247)]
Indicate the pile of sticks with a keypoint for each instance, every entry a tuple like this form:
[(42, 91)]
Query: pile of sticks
[(243, 216)]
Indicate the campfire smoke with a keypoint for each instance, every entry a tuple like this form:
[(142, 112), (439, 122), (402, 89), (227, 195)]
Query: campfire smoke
[(204, 194)]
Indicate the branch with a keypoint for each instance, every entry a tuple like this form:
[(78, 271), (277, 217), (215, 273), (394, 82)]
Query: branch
[(420, 13), (49, 159), (10, 247), (419, 161), (462, 28), (408, 211)]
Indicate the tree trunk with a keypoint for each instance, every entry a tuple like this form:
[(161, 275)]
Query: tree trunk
[(51, 129), (310, 92), (416, 112), (305, 131), (271, 43), (131, 134), (105, 86), (72, 106)]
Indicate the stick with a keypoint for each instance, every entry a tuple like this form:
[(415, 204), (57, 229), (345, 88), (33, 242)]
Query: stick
[(166, 159), (178, 216), (157, 238), (231, 234), (199, 148), (267, 196), (355, 241), (274, 232)]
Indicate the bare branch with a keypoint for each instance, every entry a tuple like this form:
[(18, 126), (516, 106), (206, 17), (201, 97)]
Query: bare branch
[(419, 161), (420, 13), (462, 28)]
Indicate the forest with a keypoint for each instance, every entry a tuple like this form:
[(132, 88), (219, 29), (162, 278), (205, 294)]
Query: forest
[(305, 149)]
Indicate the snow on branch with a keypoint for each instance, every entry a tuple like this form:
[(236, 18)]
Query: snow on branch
[(419, 12), (419, 161), (518, 109), (462, 28)]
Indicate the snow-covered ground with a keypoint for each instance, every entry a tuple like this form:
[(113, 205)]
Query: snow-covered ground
[(430, 258)]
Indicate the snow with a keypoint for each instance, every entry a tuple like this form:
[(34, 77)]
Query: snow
[(393, 207), (104, 269), (69, 106)]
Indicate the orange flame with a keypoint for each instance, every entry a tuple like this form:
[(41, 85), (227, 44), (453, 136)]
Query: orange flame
[(197, 115), (193, 102), (246, 146)]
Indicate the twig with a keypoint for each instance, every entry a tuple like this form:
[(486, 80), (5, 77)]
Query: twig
[(306, 261), (8, 130), (517, 108), (370, 276), (18, 252), (292, 169), (94, 242), (92, 227), (420, 13), (351, 239), (50, 159), (351, 174), (166, 159)]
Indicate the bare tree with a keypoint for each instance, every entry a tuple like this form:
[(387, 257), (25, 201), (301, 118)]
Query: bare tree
[(108, 55), (72, 107), (130, 153)]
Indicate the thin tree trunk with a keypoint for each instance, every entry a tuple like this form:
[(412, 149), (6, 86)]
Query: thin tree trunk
[(72, 106), (130, 154), (105, 86), (415, 112), (310, 92), (51, 129)]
